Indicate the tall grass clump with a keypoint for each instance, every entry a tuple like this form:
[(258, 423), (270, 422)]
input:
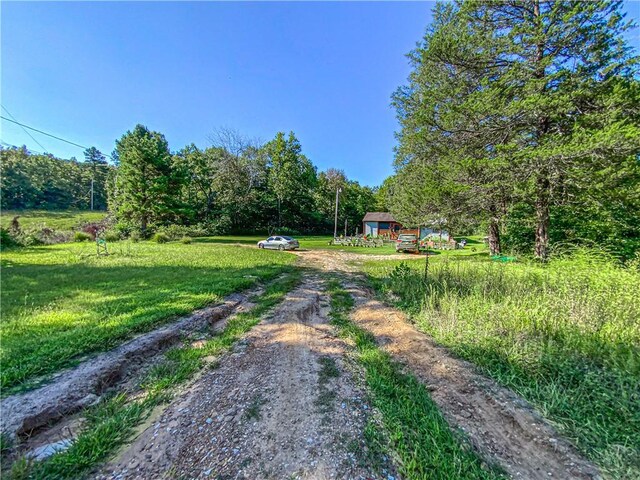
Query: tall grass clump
[(566, 336)]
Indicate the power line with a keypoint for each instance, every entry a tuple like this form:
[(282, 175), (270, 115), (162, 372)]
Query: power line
[(44, 133), (23, 128)]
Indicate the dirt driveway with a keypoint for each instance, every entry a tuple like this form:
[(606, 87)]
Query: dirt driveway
[(283, 404), (288, 403)]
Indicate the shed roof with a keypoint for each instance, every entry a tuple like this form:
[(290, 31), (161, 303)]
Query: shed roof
[(378, 217)]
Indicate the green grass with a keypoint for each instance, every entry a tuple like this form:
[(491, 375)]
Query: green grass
[(62, 302), (55, 219), (112, 422), (475, 247), (414, 429), (565, 336)]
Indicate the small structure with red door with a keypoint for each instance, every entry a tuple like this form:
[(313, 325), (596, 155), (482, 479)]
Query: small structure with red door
[(380, 224)]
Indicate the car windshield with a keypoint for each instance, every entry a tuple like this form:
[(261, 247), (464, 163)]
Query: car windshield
[(287, 238)]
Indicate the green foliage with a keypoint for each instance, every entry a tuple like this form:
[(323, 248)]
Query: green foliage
[(34, 181), (186, 240), (61, 302), (354, 201), (564, 336), (100, 174), (6, 239), (535, 104), (146, 180), (81, 237), (112, 236), (292, 178), (161, 238)]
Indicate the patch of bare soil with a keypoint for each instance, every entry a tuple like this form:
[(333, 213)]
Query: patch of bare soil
[(501, 425), (282, 404)]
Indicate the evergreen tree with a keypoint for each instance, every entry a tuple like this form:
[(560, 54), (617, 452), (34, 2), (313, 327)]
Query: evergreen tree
[(519, 101), (146, 185)]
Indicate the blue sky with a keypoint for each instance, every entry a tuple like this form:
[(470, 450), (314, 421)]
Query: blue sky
[(90, 71)]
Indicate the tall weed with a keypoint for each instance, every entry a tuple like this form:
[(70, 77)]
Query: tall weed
[(566, 336)]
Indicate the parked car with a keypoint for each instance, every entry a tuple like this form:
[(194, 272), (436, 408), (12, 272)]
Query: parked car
[(279, 242), (407, 242)]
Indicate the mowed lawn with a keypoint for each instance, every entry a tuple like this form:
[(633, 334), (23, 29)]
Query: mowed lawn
[(62, 302), (475, 246), (55, 219), (307, 242)]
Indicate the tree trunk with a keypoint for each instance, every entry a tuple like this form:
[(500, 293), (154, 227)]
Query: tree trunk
[(543, 184), (143, 226), (542, 217), (279, 214), (494, 236)]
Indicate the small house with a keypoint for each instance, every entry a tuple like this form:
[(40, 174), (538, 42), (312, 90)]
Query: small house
[(382, 224)]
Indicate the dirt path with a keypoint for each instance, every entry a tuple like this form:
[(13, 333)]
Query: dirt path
[(283, 404), (288, 403), (501, 425)]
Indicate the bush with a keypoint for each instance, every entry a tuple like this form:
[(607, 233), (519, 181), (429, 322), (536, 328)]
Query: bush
[(134, 237), (41, 235), (6, 239), (81, 237), (161, 237), (111, 236), (173, 232), (286, 231), (186, 240)]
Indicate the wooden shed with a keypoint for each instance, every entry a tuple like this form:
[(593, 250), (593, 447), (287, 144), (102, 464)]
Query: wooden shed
[(380, 224)]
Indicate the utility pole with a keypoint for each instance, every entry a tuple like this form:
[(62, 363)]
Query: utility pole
[(335, 226), (92, 194)]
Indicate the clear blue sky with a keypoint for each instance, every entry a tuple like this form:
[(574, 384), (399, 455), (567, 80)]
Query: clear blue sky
[(90, 71)]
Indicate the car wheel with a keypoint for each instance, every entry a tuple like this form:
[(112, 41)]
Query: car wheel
[(281, 247)]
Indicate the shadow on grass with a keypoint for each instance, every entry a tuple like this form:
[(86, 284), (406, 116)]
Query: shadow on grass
[(53, 315)]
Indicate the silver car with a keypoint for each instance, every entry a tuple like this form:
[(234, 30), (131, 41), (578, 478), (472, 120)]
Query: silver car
[(280, 242), (407, 243)]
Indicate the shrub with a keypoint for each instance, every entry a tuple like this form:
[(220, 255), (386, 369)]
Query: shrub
[(286, 231), (41, 235), (111, 236), (134, 237), (6, 239), (93, 229), (198, 230), (161, 237), (81, 237), (186, 240), (173, 232)]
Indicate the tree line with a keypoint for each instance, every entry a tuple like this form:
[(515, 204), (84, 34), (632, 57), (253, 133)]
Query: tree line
[(42, 181), (236, 185), (523, 117)]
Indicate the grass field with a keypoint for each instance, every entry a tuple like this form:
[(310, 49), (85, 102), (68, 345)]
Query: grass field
[(61, 302), (57, 219), (565, 336), (475, 246)]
